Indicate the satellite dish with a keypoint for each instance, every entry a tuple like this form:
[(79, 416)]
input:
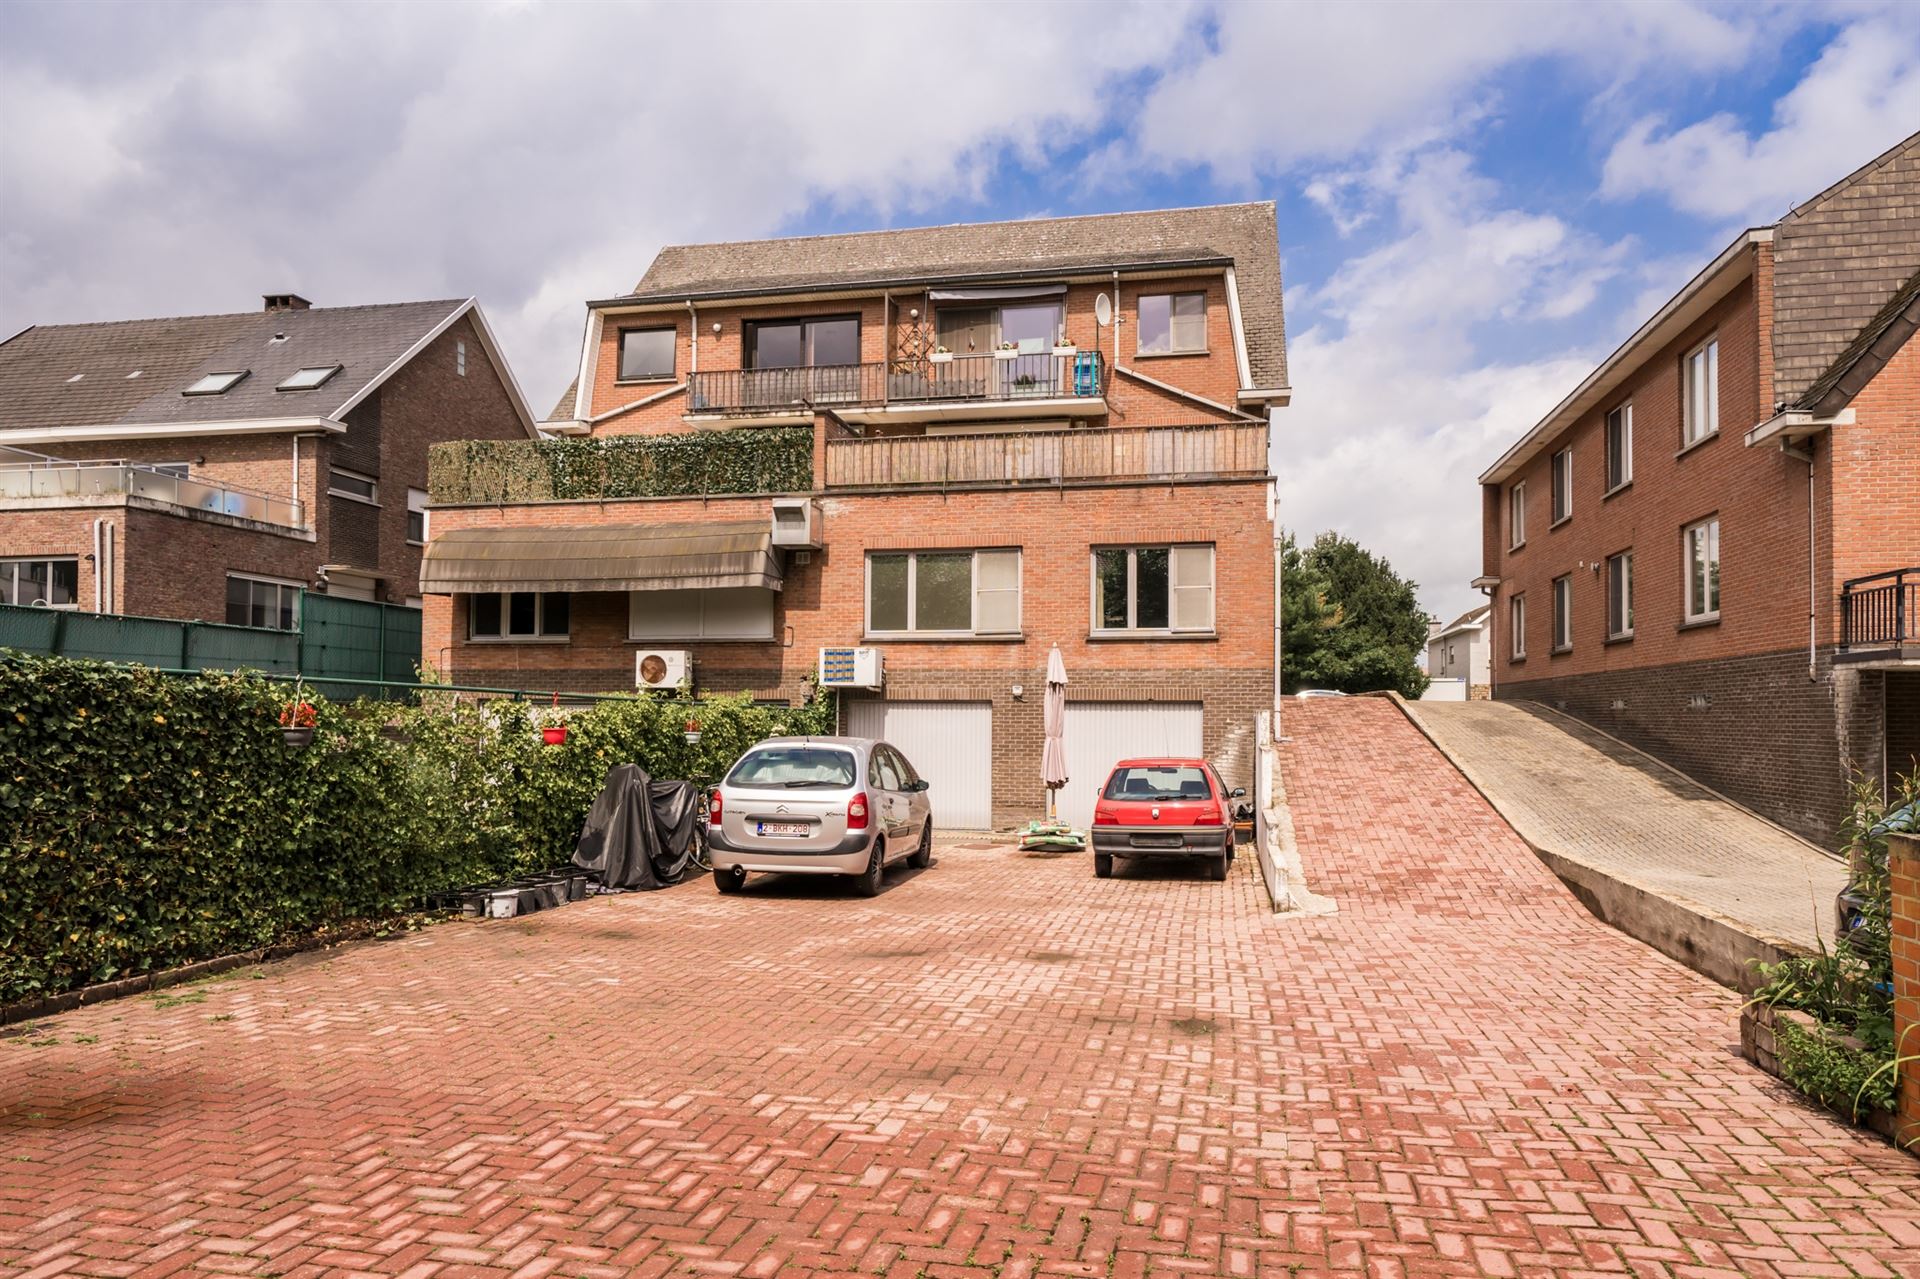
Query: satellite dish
[(1103, 310)]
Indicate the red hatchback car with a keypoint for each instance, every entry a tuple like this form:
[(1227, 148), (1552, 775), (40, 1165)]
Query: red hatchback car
[(1164, 808)]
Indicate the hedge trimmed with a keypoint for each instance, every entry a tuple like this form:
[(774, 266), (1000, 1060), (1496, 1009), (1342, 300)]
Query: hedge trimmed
[(150, 820), (750, 460)]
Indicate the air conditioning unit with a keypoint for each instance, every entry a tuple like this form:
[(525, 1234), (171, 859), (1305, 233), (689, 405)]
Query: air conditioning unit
[(662, 668), (796, 523), (850, 668)]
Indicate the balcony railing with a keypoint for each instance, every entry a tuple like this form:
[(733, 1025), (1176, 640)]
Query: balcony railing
[(1049, 457), (57, 479), (1881, 609), (1009, 376)]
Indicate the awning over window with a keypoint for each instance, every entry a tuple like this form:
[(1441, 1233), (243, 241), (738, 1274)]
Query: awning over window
[(1004, 294), (644, 557)]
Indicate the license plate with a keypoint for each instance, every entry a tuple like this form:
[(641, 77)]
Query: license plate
[(1157, 841), (783, 828)]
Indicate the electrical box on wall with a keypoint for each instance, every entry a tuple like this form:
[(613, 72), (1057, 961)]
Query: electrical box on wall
[(796, 523), (850, 668)]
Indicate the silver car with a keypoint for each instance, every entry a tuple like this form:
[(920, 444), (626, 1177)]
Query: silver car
[(819, 806)]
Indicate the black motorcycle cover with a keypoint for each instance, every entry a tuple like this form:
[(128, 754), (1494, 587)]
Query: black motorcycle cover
[(639, 832)]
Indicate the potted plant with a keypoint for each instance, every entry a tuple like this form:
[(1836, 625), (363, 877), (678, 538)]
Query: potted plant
[(554, 734), (941, 355), (1063, 347), (1007, 351), (297, 719)]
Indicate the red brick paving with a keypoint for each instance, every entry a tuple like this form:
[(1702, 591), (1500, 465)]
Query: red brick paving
[(1001, 1066)]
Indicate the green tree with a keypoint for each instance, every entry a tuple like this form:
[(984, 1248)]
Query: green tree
[(1348, 620)]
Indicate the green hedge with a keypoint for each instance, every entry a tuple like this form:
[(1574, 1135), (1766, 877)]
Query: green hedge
[(764, 460), (149, 820)]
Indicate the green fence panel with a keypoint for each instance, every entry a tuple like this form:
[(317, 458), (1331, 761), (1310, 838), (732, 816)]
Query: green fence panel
[(31, 630), (106, 637), (214, 647), (357, 639), (403, 642)]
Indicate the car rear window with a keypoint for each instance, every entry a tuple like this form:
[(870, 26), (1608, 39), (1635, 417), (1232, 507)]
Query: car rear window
[(1158, 783), (794, 766)]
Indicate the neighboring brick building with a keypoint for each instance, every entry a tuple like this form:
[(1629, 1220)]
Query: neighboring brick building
[(1712, 546), (203, 467), (1001, 459)]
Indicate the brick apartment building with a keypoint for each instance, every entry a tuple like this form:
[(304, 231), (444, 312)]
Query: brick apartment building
[(207, 467), (1711, 547), (1004, 436)]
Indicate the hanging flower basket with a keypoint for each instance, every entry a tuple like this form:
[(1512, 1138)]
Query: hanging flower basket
[(296, 724), (555, 734)]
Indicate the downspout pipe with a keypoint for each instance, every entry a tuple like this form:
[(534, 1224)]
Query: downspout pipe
[(1116, 357), (1813, 576)]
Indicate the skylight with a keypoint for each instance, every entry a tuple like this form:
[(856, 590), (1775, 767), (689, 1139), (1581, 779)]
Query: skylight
[(308, 379), (216, 383)]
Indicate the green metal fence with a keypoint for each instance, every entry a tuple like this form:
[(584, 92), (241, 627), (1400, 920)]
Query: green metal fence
[(371, 644)]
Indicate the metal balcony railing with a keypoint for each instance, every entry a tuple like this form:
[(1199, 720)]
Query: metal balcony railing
[(56, 479), (1049, 457), (1883, 608), (1005, 376)]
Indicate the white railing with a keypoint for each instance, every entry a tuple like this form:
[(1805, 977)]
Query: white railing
[(55, 479)]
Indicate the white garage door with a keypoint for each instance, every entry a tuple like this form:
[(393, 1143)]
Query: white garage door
[(950, 743), (1101, 734)]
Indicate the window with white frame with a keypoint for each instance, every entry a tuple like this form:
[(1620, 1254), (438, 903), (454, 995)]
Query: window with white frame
[(1153, 589), (716, 613), (1562, 614), (1172, 324), (1620, 595), (1562, 484), (1517, 516), (49, 580), (943, 593), (263, 601), (460, 357), (417, 516), (1620, 447), (345, 483), (519, 615), (1702, 543), (1517, 624), (1700, 392)]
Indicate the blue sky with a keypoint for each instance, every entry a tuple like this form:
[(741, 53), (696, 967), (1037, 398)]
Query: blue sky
[(1476, 200)]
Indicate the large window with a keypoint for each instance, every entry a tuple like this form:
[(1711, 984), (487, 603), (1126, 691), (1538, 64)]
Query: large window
[(1620, 447), (1172, 324), (345, 483), (1700, 392), (417, 516), (263, 601), (1562, 484), (793, 344), (53, 581), (1562, 614), (1702, 543), (519, 615), (1517, 516), (1517, 621), (944, 592), (1620, 595), (1153, 589), (1032, 327), (646, 354), (719, 613)]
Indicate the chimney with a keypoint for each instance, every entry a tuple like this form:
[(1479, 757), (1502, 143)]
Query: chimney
[(286, 302)]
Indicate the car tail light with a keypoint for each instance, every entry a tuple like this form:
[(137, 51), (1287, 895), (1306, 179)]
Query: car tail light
[(857, 812), (714, 809), (1207, 815), (1104, 816)]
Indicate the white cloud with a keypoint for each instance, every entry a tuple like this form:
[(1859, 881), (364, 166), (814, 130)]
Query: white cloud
[(1860, 97)]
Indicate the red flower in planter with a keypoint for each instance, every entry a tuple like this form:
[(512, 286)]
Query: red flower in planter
[(298, 715)]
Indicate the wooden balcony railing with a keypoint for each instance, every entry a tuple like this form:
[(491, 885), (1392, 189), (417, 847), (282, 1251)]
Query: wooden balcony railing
[(937, 379), (1881, 609), (1049, 457)]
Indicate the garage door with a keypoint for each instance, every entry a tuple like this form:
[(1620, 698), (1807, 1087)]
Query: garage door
[(950, 743), (1101, 734)]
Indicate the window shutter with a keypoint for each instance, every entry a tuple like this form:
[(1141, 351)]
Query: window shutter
[(996, 592), (1192, 581)]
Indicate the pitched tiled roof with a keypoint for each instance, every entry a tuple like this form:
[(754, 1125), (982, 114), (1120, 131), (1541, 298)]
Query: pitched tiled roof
[(1471, 617), (39, 390), (1867, 354), (1244, 234), (563, 411)]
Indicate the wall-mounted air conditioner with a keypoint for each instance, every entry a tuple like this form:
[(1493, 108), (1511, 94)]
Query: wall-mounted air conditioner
[(850, 668), (661, 668), (796, 523)]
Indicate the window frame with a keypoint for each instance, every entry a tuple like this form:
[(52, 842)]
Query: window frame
[(620, 375), (1619, 453), (426, 518), (283, 584), (1620, 595), (1516, 515), (327, 373), (1562, 638), (973, 631), (10, 567), (234, 377), (1139, 325), (460, 356), (750, 340), (1132, 630), (1560, 481), (701, 637), (1689, 615), (540, 635), (1709, 347), (370, 498), (1517, 623)]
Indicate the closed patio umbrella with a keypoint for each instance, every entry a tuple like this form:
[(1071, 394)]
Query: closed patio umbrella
[(1053, 756)]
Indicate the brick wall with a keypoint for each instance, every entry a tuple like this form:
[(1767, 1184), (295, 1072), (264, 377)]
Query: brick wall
[(177, 565), (1874, 462), (61, 531), (1903, 722), (1903, 865)]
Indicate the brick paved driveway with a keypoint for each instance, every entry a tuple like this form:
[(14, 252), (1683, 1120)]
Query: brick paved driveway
[(999, 1067)]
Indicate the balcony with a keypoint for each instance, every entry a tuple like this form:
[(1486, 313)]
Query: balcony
[(1880, 618), (1001, 385), (1049, 457), (49, 482)]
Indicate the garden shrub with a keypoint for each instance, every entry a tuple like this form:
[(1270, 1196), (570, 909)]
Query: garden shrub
[(150, 820)]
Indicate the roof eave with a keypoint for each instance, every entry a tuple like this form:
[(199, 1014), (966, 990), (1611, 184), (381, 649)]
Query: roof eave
[(170, 430)]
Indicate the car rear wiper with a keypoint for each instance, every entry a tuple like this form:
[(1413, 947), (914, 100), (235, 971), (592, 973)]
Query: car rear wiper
[(797, 784)]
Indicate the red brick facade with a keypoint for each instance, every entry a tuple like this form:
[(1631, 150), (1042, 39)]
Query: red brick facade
[(1903, 868)]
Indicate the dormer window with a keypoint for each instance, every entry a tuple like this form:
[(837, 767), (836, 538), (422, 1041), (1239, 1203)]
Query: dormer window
[(217, 383), (308, 379)]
